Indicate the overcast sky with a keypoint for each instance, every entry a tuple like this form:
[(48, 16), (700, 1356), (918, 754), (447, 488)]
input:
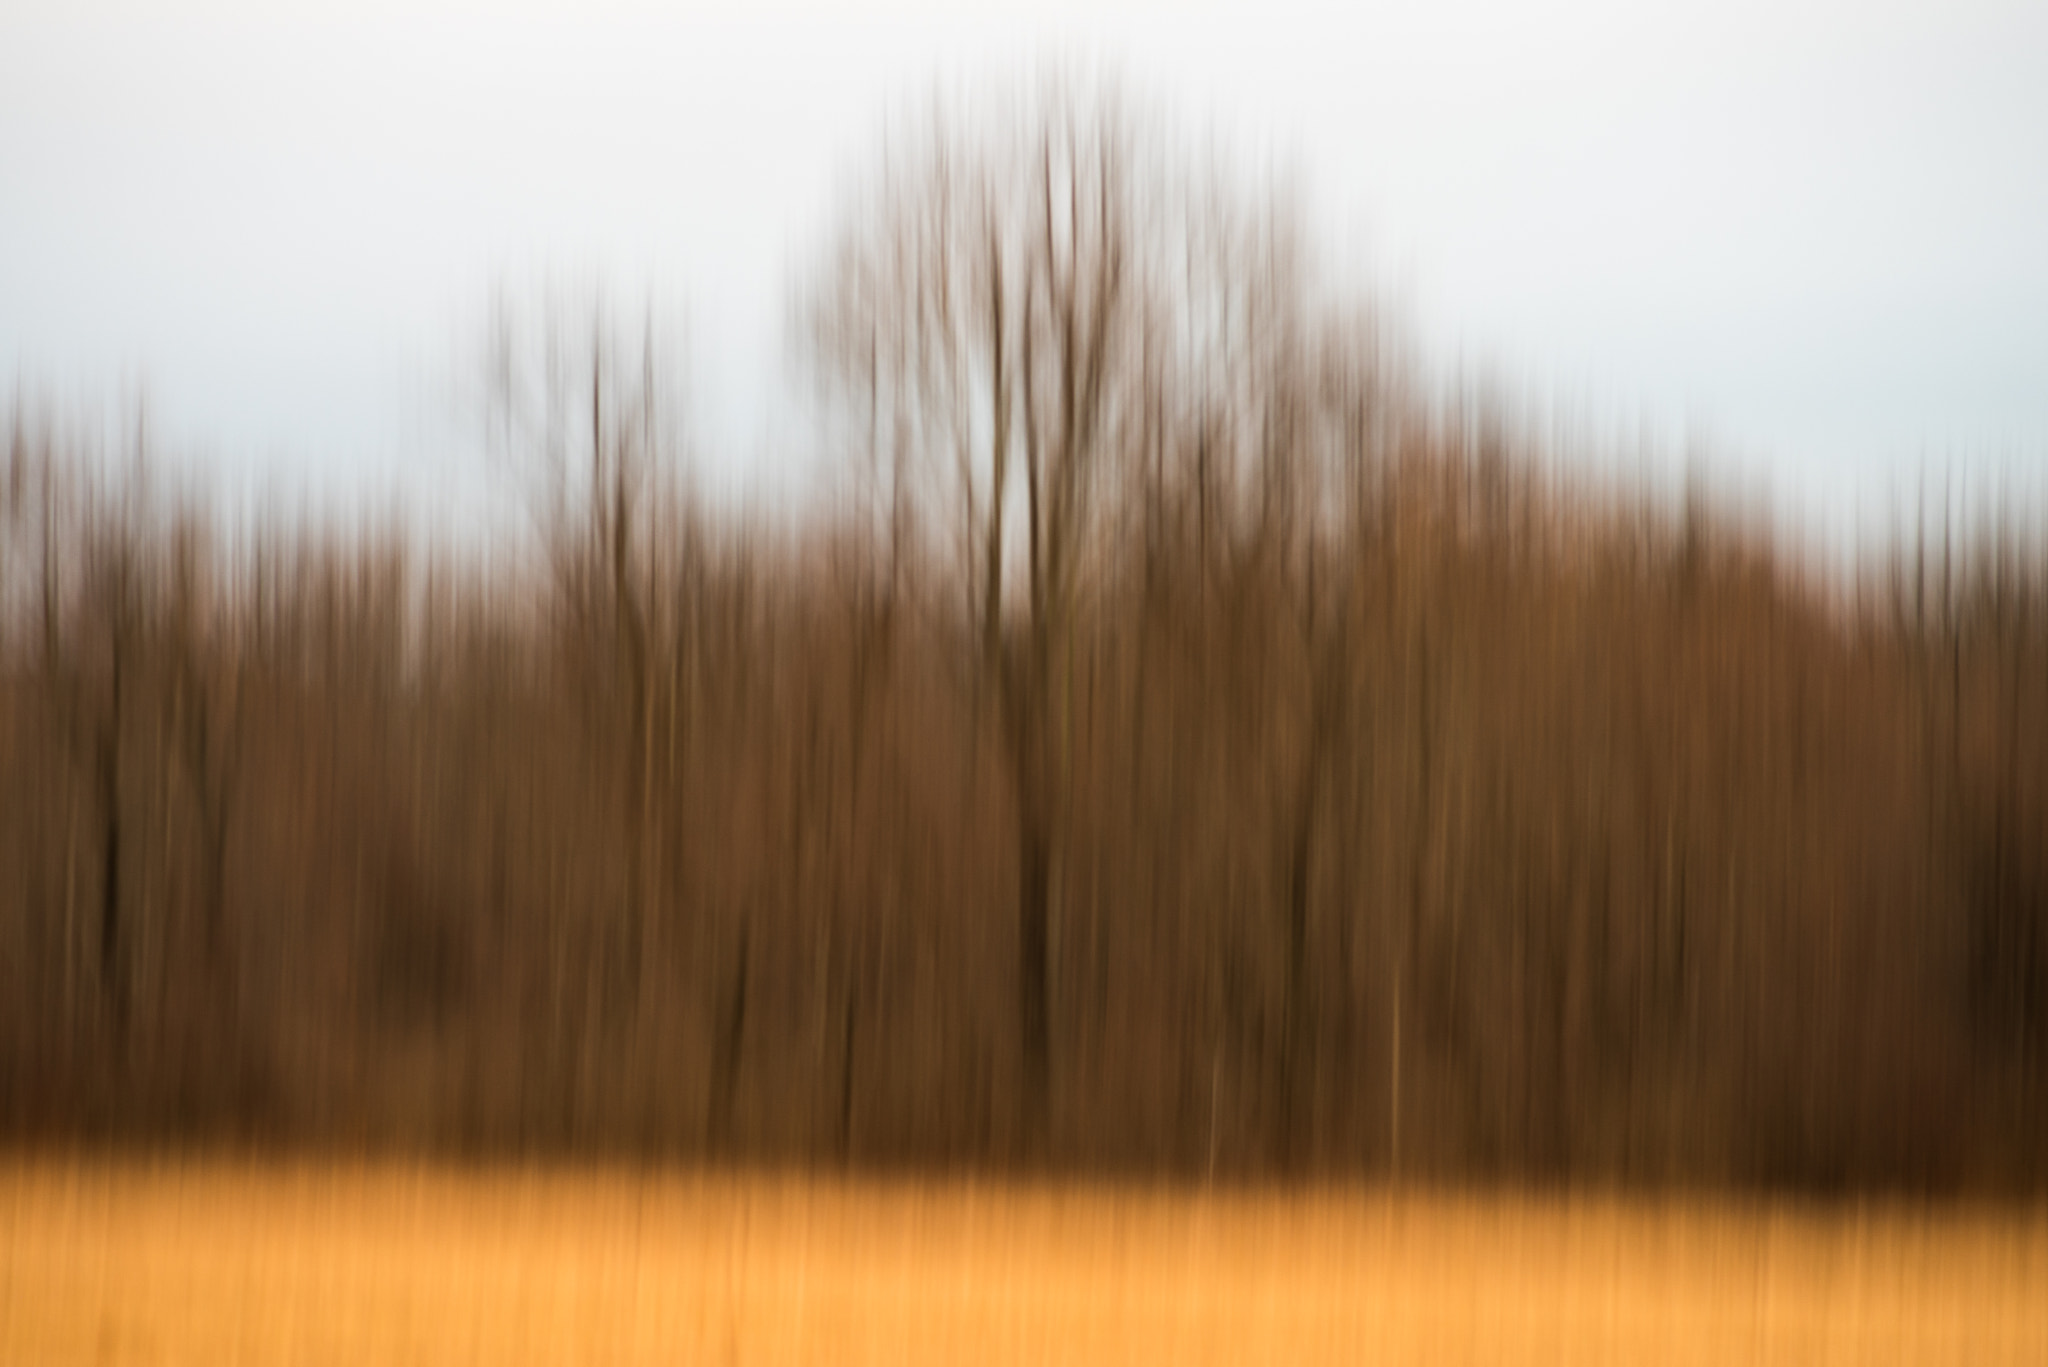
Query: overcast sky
[(1815, 236)]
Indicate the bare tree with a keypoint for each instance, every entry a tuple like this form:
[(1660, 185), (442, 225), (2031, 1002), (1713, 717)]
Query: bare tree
[(206, 722), (588, 414), (115, 582), (1025, 315), (976, 304)]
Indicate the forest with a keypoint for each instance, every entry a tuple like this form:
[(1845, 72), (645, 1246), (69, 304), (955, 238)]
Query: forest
[(1186, 739)]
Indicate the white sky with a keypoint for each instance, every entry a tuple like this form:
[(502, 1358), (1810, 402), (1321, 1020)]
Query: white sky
[(1816, 234)]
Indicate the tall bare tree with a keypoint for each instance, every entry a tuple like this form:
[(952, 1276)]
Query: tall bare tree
[(588, 414), (1034, 311), (979, 313)]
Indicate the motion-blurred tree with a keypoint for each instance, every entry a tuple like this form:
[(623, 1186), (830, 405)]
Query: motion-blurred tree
[(595, 426), (1035, 313)]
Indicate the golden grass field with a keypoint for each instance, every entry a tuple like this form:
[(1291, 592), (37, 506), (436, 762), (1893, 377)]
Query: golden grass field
[(104, 1262)]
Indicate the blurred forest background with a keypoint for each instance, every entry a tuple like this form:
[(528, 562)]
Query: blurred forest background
[(1188, 741)]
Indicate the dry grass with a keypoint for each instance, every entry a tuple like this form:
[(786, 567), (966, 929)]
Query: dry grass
[(223, 1264)]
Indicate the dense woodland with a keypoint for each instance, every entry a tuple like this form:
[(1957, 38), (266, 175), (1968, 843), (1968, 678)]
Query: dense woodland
[(1183, 739)]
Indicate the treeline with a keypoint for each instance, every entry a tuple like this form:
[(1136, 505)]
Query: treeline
[(1190, 743)]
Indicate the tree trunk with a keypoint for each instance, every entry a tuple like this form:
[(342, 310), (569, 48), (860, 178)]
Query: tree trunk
[(1034, 979), (725, 1058), (113, 975)]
